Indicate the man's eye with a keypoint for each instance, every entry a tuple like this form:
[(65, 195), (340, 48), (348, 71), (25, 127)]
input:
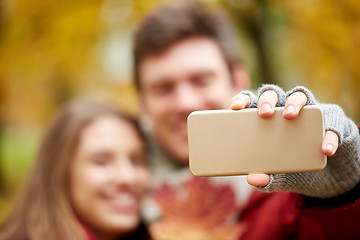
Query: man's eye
[(163, 88), (201, 80)]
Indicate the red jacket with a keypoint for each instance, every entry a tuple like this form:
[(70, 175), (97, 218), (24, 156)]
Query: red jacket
[(284, 215)]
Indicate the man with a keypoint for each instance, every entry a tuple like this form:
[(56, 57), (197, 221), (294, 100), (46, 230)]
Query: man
[(186, 59), (180, 67)]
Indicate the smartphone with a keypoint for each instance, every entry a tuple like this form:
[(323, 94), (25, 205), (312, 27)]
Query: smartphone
[(229, 142)]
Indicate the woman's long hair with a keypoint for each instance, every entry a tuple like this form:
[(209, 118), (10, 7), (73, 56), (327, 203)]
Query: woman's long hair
[(43, 209)]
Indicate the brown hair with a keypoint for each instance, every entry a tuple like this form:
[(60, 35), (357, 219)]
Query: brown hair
[(178, 21), (43, 210)]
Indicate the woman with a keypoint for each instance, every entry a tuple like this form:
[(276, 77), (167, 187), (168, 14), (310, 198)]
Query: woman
[(87, 183)]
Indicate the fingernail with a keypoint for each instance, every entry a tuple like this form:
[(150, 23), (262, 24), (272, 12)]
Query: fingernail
[(289, 109), (265, 108), (330, 147), (237, 101)]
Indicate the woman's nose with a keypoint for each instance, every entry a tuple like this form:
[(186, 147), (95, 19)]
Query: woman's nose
[(124, 172)]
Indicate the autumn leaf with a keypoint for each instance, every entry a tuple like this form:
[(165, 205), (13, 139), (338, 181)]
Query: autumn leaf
[(200, 210)]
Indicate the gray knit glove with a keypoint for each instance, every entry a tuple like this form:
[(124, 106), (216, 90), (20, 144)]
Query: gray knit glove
[(342, 172)]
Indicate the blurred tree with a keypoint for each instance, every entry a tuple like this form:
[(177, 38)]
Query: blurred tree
[(48, 52), (45, 48), (312, 43), (253, 21), (324, 37), (2, 113)]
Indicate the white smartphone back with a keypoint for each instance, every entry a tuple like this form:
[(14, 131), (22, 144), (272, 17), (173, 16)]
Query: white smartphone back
[(227, 142)]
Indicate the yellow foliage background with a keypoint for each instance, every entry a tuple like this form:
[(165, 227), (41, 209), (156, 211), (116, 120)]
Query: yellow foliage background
[(53, 51)]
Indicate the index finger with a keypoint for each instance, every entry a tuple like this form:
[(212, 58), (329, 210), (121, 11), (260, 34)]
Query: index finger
[(240, 101), (267, 103), (294, 104)]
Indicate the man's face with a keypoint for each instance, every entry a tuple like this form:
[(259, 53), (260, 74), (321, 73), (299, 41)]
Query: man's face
[(191, 75)]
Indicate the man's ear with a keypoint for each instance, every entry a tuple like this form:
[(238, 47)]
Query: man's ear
[(241, 80)]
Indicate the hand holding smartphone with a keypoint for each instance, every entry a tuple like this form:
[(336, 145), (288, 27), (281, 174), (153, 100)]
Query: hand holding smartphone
[(227, 142)]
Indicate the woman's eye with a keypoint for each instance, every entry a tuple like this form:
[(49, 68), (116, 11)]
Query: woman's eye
[(101, 159), (139, 159)]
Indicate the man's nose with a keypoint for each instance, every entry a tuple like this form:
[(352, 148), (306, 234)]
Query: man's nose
[(187, 98)]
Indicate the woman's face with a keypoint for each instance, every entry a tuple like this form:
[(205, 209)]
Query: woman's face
[(109, 176)]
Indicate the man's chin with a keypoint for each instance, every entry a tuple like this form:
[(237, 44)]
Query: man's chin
[(183, 161), (178, 149), (182, 157)]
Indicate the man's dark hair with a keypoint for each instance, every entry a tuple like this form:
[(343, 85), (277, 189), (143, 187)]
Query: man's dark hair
[(174, 22)]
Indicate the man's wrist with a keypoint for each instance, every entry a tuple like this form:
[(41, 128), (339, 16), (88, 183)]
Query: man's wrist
[(341, 200)]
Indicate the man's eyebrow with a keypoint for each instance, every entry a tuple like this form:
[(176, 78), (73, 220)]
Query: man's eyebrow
[(205, 72), (167, 79), (157, 81)]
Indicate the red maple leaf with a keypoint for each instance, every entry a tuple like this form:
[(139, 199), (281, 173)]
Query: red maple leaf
[(199, 210)]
